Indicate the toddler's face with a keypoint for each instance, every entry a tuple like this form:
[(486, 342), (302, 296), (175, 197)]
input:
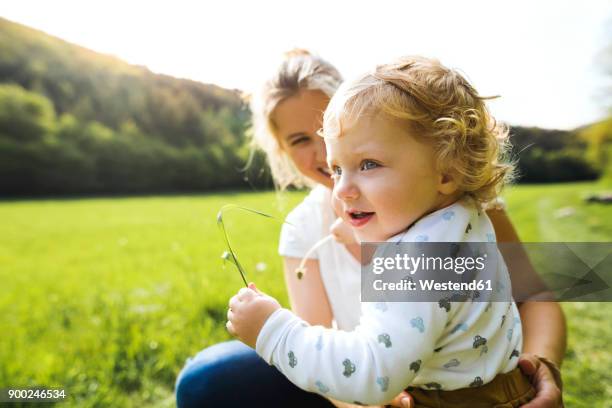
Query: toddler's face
[(385, 178)]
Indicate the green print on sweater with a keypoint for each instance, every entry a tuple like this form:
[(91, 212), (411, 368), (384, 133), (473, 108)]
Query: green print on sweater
[(349, 368), (385, 339), (292, 359)]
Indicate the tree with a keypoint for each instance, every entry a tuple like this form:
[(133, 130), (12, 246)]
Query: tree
[(25, 116)]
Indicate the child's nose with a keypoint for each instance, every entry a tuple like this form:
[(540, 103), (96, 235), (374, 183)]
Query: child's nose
[(345, 189)]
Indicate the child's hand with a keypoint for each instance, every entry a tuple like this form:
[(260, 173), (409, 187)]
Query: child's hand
[(248, 311), (342, 232)]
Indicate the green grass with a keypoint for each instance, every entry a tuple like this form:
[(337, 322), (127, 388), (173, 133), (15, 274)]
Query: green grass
[(108, 297), (534, 210)]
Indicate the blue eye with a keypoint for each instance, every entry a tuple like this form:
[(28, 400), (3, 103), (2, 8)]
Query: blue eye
[(337, 171), (368, 165)]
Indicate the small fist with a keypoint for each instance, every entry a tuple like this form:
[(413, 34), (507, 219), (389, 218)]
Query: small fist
[(248, 311), (342, 232)]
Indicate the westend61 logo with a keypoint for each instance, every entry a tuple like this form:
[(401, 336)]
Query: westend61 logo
[(485, 272), (432, 285)]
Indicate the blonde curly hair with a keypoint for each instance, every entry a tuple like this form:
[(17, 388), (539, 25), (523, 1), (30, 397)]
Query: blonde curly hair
[(438, 105), (299, 70)]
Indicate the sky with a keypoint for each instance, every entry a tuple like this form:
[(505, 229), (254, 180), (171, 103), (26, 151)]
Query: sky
[(540, 56)]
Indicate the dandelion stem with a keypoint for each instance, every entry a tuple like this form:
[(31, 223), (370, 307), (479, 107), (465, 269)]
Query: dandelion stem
[(301, 268), (230, 255)]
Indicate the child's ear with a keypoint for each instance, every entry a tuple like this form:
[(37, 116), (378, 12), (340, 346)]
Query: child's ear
[(447, 184)]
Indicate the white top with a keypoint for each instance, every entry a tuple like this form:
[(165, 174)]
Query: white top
[(309, 222), (341, 274), (400, 344)]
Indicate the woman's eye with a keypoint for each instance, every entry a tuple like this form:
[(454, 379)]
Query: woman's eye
[(336, 171), (369, 165), (299, 140)]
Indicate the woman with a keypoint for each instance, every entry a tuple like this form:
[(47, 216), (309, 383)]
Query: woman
[(286, 117)]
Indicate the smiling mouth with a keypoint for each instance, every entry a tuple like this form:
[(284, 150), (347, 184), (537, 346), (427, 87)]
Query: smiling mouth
[(359, 218)]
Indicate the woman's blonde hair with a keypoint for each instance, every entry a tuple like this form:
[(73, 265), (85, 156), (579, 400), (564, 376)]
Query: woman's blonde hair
[(299, 70), (438, 105)]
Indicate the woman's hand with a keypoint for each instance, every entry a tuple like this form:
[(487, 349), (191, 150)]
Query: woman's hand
[(403, 400), (248, 311), (546, 380)]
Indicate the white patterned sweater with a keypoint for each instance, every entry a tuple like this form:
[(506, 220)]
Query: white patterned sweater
[(401, 344)]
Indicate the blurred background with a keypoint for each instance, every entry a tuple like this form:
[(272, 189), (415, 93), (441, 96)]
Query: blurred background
[(122, 132)]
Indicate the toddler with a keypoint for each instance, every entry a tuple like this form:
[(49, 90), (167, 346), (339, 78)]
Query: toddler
[(414, 155)]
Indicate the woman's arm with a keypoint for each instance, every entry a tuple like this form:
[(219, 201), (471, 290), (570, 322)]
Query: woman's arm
[(544, 331), (307, 296), (544, 328)]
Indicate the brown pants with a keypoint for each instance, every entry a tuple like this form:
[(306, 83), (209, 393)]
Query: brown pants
[(508, 390)]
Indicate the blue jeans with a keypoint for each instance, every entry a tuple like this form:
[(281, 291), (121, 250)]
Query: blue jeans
[(231, 374)]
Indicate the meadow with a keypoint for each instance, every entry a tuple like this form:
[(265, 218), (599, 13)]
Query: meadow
[(107, 297)]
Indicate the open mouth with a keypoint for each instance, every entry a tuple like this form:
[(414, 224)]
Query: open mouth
[(359, 218)]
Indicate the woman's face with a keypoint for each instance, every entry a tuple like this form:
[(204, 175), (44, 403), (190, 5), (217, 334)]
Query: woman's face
[(297, 121)]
